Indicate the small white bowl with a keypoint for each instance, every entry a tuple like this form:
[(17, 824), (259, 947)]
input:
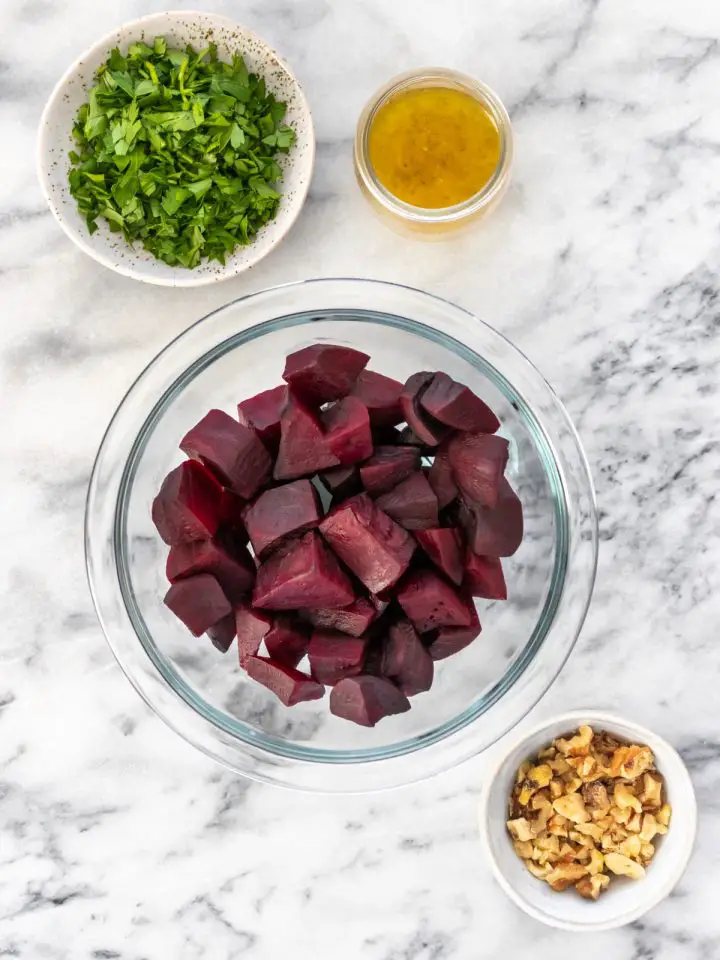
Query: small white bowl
[(179, 28), (624, 900)]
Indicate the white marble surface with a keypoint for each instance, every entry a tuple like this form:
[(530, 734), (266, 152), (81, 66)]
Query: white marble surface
[(117, 840)]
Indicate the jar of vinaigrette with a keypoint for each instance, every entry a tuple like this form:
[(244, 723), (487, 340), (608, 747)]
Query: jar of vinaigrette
[(433, 151)]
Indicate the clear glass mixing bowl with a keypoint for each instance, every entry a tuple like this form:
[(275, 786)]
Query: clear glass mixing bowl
[(480, 693)]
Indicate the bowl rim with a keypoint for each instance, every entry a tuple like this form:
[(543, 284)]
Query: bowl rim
[(573, 719), (180, 278), (249, 749)]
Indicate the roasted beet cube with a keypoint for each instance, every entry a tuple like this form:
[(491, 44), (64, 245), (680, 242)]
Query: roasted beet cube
[(232, 451), (233, 510), (347, 430), (411, 503), (498, 532), (478, 461), (290, 686), (353, 620), (198, 601), (406, 661), (381, 396), (341, 482), (430, 602), (441, 477), (427, 429), (484, 577), (449, 640), (302, 574), (189, 504), (263, 412), (387, 467), (369, 542), (457, 406), (287, 641), (323, 372), (334, 655), (251, 627), (281, 511), (233, 569), (302, 449), (222, 633), (367, 699), (444, 547)]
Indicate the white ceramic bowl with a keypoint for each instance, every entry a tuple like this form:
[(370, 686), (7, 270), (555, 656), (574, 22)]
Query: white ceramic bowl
[(625, 900), (180, 28)]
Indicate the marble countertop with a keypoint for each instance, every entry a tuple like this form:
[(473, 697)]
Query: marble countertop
[(119, 841)]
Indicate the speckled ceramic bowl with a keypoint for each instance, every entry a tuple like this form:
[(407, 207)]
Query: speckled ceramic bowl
[(180, 28)]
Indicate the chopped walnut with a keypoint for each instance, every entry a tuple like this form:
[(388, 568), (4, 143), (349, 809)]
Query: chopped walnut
[(520, 829), (565, 875), (591, 887), (572, 807), (652, 789), (624, 866)]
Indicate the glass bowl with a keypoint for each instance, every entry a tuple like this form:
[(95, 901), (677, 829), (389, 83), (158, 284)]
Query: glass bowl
[(480, 693)]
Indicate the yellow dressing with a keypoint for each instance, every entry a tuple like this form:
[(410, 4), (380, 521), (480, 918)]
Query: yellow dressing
[(433, 147)]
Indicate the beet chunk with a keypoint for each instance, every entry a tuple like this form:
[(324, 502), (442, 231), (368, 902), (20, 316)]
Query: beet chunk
[(381, 396), (233, 452), (198, 601), (406, 661), (251, 627), (484, 577), (233, 510), (347, 430), (302, 450), (428, 430), (222, 633), (323, 372), (342, 482), (263, 412), (478, 461), (430, 602), (334, 655), (449, 640), (441, 477), (234, 570), (368, 541), (353, 620), (387, 467), (367, 699), (411, 503), (287, 641), (498, 532), (189, 504), (303, 573), (290, 686), (444, 547), (281, 511), (457, 406)]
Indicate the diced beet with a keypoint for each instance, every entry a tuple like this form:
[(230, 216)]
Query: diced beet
[(281, 511), (289, 685), (222, 633), (234, 571), (353, 620), (449, 640), (457, 406), (411, 503), (342, 482), (233, 509), (262, 412), (381, 396), (406, 661), (198, 601), (302, 449), (369, 542), (428, 430), (302, 574), (232, 451), (189, 504), (430, 602), (287, 641), (334, 655), (444, 547), (251, 627), (387, 467), (347, 430), (323, 372), (484, 577), (441, 477), (478, 461), (367, 699), (498, 532)]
